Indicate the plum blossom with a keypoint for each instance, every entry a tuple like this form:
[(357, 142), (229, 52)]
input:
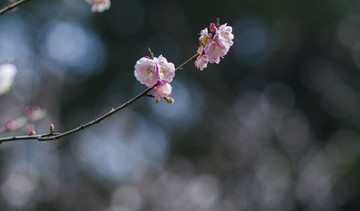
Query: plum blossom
[(99, 5), (214, 45), (201, 62), (166, 69), (11, 125), (24, 122), (7, 74), (146, 71), (156, 71), (35, 113), (150, 71), (224, 36), (214, 51), (162, 90)]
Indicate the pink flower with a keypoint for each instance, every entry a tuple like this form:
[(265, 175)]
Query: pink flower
[(7, 74), (205, 36), (35, 113), (201, 62), (11, 125), (99, 5), (166, 69), (146, 71), (214, 51), (150, 71), (224, 36), (214, 45), (162, 90)]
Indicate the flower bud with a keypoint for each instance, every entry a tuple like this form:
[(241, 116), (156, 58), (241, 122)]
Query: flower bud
[(32, 132), (170, 100), (156, 101), (52, 127), (212, 27)]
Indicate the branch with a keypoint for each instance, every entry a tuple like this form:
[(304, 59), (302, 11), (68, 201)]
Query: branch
[(12, 6), (53, 136)]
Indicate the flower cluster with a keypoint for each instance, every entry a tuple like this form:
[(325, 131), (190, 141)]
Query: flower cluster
[(32, 114), (99, 5), (214, 44), (7, 74), (156, 71)]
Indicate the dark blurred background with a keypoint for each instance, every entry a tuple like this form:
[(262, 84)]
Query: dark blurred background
[(274, 126)]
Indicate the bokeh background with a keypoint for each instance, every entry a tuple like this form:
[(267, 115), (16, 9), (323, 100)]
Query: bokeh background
[(274, 126)]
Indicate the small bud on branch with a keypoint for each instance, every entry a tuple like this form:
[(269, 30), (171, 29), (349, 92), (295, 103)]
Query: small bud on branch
[(52, 128), (32, 132)]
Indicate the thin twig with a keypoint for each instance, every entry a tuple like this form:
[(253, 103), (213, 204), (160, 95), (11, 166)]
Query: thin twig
[(110, 113), (186, 62), (12, 6), (54, 136)]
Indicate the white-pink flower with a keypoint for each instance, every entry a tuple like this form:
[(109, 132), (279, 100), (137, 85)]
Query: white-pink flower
[(99, 5), (7, 74), (201, 62), (146, 71), (150, 71), (162, 90), (224, 36), (166, 69), (214, 51)]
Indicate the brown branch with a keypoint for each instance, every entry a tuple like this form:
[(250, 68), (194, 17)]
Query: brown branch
[(186, 62), (12, 6), (53, 136)]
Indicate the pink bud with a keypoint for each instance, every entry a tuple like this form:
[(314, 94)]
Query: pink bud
[(32, 132), (30, 127), (52, 127), (212, 27), (170, 100)]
